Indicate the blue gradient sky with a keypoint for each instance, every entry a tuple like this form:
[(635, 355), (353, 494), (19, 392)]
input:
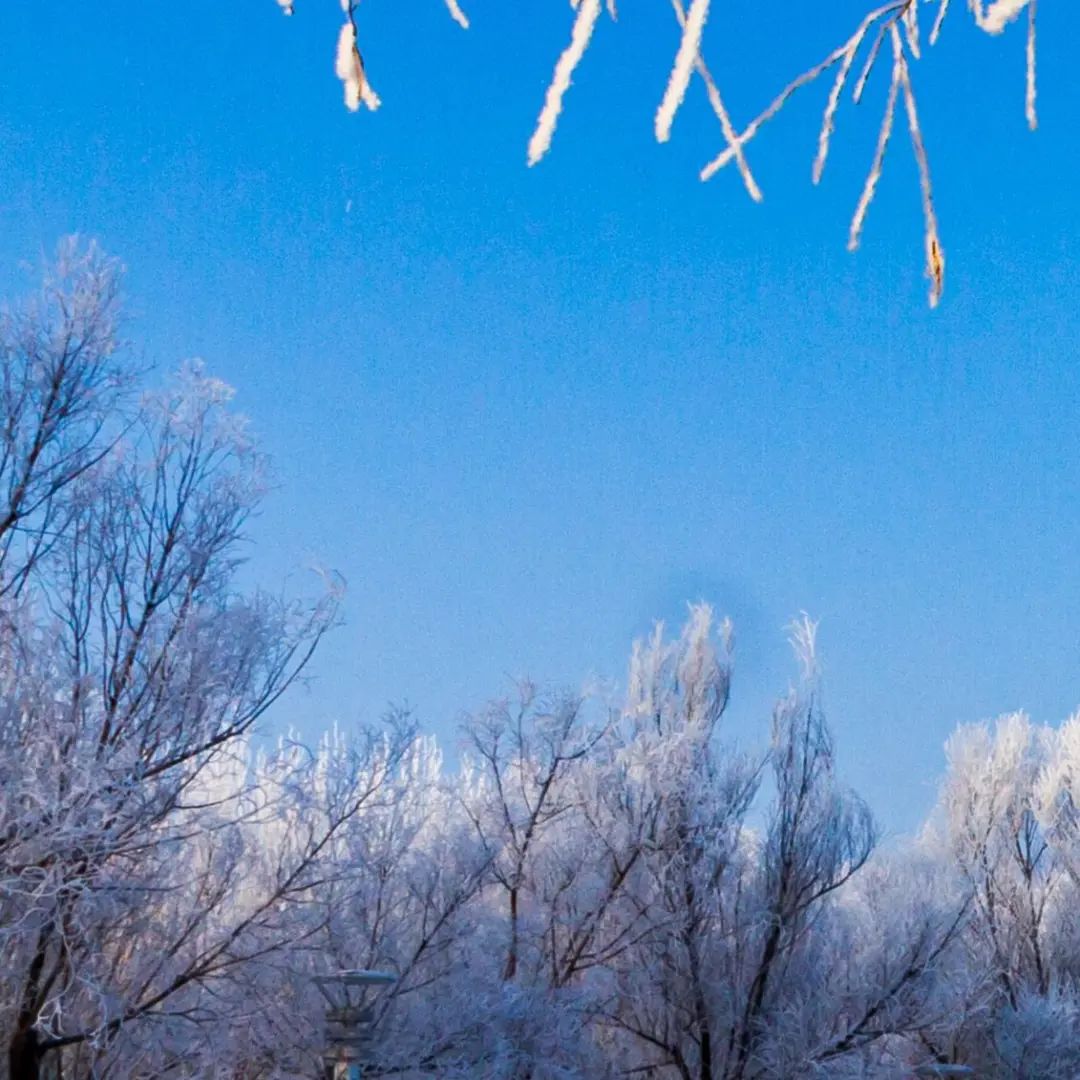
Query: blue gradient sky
[(526, 412)]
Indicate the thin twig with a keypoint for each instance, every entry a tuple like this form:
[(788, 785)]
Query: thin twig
[(778, 103), (829, 119), (943, 7), (457, 14), (781, 99), (692, 25), (910, 18), (1029, 97), (588, 12), (718, 107), (872, 177), (871, 59), (935, 256)]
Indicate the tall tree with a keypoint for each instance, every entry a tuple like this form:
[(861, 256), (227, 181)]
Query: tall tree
[(132, 673)]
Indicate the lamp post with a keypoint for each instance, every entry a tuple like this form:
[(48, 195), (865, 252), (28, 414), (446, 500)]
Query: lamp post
[(348, 1020)]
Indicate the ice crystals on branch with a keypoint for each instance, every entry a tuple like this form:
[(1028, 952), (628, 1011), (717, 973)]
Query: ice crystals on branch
[(457, 14), (899, 21), (588, 11), (689, 50), (349, 68), (994, 17), (895, 23)]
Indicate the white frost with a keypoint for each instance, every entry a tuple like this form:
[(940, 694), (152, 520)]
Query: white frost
[(587, 13), (999, 14), (457, 14), (689, 47), (350, 71)]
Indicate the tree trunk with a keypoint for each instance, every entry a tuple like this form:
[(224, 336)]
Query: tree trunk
[(512, 953), (24, 1055)]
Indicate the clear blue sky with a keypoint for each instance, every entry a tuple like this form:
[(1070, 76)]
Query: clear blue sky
[(526, 412)]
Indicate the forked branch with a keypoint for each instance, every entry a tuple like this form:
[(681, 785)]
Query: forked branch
[(896, 20)]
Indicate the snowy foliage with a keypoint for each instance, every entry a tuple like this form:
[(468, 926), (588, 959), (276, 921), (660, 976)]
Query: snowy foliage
[(598, 888)]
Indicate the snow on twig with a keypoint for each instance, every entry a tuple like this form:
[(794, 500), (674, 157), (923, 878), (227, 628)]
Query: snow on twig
[(720, 109), (896, 18), (997, 15), (587, 13), (874, 175), (457, 14), (935, 256), (689, 49), (1029, 96), (349, 68)]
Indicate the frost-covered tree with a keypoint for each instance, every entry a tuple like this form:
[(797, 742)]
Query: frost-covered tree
[(748, 968), (131, 673), (627, 906), (1006, 826), (601, 887)]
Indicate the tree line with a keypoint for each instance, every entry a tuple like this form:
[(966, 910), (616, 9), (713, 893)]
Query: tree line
[(599, 888)]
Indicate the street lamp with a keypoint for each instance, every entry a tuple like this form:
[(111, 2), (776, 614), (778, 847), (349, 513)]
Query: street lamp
[(348, 1020)]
